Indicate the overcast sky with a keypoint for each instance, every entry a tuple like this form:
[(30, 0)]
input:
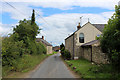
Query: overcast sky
[(57, 18)]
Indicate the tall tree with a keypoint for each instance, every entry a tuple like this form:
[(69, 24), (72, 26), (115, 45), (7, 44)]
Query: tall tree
[(27, 28), (110, 42), (33, 17), (62, 46)]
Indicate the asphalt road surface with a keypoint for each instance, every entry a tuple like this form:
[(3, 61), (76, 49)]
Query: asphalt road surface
[(52, 67)]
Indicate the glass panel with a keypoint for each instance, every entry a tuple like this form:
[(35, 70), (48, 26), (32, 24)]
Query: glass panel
[(81, 35), (81, 38)]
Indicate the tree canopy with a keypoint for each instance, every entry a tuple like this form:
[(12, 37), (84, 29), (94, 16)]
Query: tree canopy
[(21, 42), (27, 28), (110, 41)]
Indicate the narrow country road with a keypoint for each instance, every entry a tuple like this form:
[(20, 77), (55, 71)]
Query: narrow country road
[(52, 67)]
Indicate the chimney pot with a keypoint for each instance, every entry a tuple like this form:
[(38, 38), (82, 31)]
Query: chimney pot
[(78, 27), (43, 37)]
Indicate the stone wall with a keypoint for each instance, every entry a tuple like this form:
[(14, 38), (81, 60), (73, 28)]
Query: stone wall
[(49, 49), (81, 52), (76, 48), (98, 56), (94, 54), (87, 53), (69, 44)]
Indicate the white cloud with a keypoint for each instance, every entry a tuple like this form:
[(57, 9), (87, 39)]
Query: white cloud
[(107, 14), (59, 26), (19, 11), (6, 29), (23, 10), (68, 4)]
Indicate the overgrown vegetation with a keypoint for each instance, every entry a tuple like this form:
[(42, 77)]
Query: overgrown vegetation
[(88, 70), (23, 65), (19, 48), (65, 53), (54, 52), (110, 41), (0, 58)]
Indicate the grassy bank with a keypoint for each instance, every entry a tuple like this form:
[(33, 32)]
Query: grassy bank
[(0, 70), (86, 69), (54, 52), (23, 65)]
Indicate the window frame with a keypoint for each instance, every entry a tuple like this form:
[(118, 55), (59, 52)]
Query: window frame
[(81, 39)]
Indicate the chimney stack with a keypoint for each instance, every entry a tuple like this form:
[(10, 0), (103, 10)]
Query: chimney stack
[(78, 27), (43, 37)]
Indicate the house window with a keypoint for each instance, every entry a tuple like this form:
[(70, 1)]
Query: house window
[(98, 35), (81, 38)]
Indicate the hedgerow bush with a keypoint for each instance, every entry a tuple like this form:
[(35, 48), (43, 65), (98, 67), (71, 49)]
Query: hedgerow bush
[(11, 50), (62, 48), (62, 51), (41, 48), (67, 55)]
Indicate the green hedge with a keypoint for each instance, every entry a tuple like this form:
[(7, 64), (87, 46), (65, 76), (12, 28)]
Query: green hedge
[(65, 54)]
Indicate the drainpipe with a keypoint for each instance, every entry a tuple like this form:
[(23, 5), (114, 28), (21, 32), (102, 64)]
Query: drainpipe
[(91, 53), (73, 46)]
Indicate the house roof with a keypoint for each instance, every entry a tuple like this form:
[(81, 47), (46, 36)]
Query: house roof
[(90, 43), (70, 35), (100, 27), (43, 41)]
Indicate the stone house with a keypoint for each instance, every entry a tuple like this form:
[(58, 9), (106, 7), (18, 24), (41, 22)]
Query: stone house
[(46, 44), (82, 35)]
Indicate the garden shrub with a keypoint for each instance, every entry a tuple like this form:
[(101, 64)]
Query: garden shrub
[(66, 55), (62, 51)]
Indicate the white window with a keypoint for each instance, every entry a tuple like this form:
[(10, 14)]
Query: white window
[(98, 35), (81, 38)]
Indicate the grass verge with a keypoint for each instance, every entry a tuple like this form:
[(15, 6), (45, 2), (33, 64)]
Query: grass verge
[(86, 69), (54, 52), (23, 65)]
